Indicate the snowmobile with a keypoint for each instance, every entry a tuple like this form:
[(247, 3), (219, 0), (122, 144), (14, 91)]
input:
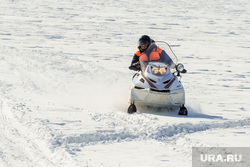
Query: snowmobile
[(156, 83)]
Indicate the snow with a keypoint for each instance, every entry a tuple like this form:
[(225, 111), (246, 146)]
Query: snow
[(64, 81)]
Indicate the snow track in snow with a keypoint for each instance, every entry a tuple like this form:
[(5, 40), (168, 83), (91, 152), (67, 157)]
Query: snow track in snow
[(147, 133), (140, 127), (26, 142)]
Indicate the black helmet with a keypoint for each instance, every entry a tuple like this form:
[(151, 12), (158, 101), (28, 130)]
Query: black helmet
[(144, 40)]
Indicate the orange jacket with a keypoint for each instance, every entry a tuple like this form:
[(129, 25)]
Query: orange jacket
[(155, 55)]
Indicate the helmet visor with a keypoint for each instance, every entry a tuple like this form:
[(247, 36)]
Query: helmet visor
[(143, 42)]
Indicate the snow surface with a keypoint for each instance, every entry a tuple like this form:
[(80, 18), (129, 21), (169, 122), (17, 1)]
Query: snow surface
[(64, 81)]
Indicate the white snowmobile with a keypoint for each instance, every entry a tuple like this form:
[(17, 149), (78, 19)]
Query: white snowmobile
[(156, 84)]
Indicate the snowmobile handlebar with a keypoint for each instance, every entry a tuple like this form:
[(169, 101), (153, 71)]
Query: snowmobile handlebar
[(135, 67)]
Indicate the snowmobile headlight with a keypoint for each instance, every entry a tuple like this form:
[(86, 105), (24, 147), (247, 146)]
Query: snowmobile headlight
[(162, 71), (155, 70), (159, 71)]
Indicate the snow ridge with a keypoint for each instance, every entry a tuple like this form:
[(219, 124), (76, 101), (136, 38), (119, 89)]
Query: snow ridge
[(144, 131)]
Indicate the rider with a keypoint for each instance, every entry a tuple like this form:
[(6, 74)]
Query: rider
[(143, 44)]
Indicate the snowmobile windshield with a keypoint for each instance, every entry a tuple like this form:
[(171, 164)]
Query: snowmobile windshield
[(155, 54)]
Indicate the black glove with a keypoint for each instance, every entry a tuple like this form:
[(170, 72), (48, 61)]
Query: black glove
[(135, 66)]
